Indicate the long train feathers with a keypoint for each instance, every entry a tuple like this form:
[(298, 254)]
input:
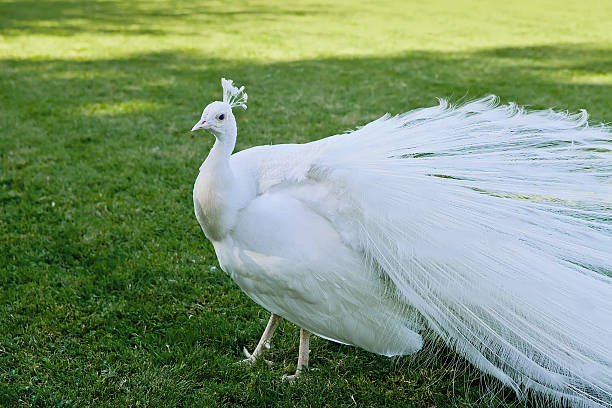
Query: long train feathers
[(497, 228)]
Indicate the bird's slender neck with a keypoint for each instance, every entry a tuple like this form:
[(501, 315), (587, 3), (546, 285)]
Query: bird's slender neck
[(216, 191), (224, 145)]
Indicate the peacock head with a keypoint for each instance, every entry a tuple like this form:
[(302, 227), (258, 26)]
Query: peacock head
[(218, 117)]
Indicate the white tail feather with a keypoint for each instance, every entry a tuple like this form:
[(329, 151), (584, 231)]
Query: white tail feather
[(497, 228)]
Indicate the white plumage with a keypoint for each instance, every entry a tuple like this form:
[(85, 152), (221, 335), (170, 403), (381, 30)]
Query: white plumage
[(488, 225)]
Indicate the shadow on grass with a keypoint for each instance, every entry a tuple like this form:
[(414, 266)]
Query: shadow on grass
[(153, 98), (544, 76), (67, 17), (104, 259)]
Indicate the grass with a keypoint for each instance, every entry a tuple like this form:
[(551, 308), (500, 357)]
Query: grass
[(109, 293)]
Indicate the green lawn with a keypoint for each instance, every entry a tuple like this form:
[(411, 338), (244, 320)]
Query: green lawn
[(109, 293)]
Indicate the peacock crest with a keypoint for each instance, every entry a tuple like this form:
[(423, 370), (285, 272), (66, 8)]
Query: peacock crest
[(233, 96)]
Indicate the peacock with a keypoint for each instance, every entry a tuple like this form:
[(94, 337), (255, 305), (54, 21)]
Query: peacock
[(485, 225)]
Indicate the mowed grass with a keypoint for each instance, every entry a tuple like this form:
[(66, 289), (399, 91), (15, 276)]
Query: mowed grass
[(109, 293)]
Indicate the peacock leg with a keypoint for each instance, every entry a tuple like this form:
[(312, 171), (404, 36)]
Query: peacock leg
[(303, 355), (264, 342)]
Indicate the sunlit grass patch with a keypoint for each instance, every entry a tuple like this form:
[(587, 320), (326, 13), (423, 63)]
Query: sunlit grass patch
[(126, 107)]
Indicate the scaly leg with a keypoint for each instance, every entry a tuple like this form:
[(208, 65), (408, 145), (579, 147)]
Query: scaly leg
[(303, 355), (264, 342)]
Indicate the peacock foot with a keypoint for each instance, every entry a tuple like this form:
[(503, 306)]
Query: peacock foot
[(264, 342), (252, 358), (299, 373), (290, 378), (303, 355)]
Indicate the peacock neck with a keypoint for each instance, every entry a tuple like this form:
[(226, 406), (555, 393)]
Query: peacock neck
[(216, 189), (218, 158), (225, 142)]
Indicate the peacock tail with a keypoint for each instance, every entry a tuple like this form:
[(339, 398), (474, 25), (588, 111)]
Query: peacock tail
[(495, 224)]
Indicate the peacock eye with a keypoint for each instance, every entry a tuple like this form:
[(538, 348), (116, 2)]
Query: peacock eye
[(221, 116)]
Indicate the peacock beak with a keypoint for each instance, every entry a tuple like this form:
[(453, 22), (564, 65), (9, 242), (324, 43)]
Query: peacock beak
[(200, 125)]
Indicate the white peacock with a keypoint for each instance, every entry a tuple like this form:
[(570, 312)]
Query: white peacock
[(487, 225)]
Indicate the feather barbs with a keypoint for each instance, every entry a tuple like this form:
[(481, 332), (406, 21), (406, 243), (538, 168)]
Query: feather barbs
[(235, 97)]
